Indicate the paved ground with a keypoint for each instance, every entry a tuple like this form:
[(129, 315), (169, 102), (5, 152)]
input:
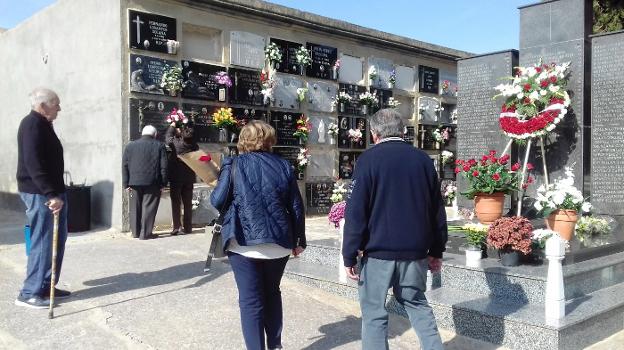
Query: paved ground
[(131, 294)]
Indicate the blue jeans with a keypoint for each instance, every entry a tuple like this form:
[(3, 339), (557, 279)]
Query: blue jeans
[(408, 280), (260, 299), (41, 221)]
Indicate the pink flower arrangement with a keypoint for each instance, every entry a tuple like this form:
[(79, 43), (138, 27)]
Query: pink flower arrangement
[(223, 78), (337, 213), (177, 119)]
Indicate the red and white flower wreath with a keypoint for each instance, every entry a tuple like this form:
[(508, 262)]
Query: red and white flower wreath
[(536, 100)]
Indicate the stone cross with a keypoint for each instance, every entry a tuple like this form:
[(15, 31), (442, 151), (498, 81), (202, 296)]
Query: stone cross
[(138, 24)]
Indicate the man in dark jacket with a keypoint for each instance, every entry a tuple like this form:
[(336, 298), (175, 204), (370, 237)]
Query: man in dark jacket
[(144, 175), (181, 177), (40, 169), (396, 216)]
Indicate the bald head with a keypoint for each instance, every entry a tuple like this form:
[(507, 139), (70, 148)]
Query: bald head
[(46, 102)]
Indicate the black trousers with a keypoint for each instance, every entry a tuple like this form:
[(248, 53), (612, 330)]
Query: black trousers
[(144, 202), (182, 194)]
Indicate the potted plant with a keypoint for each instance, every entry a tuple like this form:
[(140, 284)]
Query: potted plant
[(172, 80), (450, 192), (303, 129), (592, 230), (367, 100), (441, 135), (224, 120), (511, 236), (488, 181), (341, 100), (273, 54), (476, 235), (303, 58), (302, 162), (301, 94), (560, 203), (332, 131), (223, 79), (372, 75)]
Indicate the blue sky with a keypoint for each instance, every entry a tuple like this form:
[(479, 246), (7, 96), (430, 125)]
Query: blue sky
[(477, 26)]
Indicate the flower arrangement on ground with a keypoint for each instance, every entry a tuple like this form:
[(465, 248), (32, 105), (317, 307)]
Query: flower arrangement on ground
[(339, 192), (591, 227), (302, 159), (368, 99), (222, 78), (337, 213), (441, 134), (303, 128), (272, 53), (301, 94), (332, 129), (561, 195), (342, 97), (355, 135), (536, 100), (490, 175), (450, 192), (267, 83), (392, 103), (223, 118), (303, 56), (447, 157), (392, 78), (177, 119), (172, 79), (511, 234)]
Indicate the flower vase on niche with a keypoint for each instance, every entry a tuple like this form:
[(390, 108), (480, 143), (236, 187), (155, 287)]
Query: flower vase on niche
[(341, 107), (301, 69), (332, 140), (222, 94), (364, 109), (223, 135), (334, 73)]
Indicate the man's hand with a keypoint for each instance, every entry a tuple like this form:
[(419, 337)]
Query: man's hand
[(435, 264), (55, 205), (297, 251), (352, 273), (129, 189)]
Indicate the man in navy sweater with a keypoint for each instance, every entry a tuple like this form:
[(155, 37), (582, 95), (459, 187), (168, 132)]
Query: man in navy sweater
[(40, 183), (395, 215)]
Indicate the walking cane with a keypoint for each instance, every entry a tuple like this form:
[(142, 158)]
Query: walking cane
[(53, 278)]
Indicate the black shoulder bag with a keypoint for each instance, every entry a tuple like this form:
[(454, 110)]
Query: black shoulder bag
[(216, 242)]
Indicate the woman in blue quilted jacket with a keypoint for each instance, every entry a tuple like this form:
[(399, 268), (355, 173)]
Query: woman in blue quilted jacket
[(262, 227)]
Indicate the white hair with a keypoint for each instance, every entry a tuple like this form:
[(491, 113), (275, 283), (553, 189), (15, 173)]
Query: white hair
[(41, 95), (149, 130)]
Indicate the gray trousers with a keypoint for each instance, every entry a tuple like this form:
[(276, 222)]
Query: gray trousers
[(408, 280), (144, 202)]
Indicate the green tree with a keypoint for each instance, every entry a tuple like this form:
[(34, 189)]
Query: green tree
[(608, 16)]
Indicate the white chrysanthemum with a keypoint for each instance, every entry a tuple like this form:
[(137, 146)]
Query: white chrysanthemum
[(538, 206), (543, 92), (531, 72), (586, 207), (553, 88), (534, 95), (520, 96), (558, 198)]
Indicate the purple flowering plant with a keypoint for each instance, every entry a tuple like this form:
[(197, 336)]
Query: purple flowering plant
[(223, 79)]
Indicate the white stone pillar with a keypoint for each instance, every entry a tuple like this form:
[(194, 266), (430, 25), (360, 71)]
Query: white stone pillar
[(555, 294), (342, 274)]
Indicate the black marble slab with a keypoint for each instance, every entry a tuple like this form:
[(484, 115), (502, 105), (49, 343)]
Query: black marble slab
[(148, 31)]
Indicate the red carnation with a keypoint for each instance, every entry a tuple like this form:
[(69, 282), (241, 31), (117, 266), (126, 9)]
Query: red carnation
[(457, 170), (492, 152), (205, 158), (530, 180), (538, 69), (484, 158), (472, 162), (459, 161), (527, 101), (544, 83), (496, 177), (515, 167), (529, 166), (505, 157), (553, 79), (527, 87), (524, 186), (466, 167), (475, 173)]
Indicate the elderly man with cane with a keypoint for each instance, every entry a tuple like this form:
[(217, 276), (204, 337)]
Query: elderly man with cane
[(40, 182)]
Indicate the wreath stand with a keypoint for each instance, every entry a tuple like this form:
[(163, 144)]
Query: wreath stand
[(524, 166)]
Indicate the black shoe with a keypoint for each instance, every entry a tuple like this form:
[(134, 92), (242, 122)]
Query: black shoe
[(175, 232), (152, 236), (34, 302), (58, 294)]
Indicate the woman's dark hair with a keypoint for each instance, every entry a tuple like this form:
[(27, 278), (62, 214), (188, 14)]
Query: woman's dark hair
[(188, 133)]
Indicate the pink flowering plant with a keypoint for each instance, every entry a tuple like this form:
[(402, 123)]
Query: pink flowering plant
[(177, 119), (337, 213), (223, 78)]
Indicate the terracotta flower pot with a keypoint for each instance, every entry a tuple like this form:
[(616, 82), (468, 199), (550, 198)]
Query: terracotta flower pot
[(562, 221), (489, 207)]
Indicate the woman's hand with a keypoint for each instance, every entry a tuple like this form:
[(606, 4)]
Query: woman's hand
[(297, 251)]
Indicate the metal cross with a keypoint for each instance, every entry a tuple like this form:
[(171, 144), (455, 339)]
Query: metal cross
[(138, 30)]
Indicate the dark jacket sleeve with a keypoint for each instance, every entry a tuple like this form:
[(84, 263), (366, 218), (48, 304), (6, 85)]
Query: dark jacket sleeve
[(125, 170), (357, 214), (163, 165), (169, 136), (34, 159), (297, 212), (219, 194), (438, 220)]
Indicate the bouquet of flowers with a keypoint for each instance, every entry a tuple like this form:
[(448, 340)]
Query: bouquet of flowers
[(511, 233), (540, 236), (392, 78), (368, 99), (476, 234), (177, 119), (172, 79), (338, 192), (445, 85), (561, 195), (450, 191), (223, 118), (268, 83), (589, 227), (392, 103), (337, 64), (441, 134), (337, 213), (301, 93), (342, 97), (272, 53), (372, 73), (355, 135), (447, 157), (303, 56), (302, 159), (222, 78), (303, 128), (536, 100), (332, 129), (490, 175)]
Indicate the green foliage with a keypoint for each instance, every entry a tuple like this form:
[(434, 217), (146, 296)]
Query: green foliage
[(608, 16)]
